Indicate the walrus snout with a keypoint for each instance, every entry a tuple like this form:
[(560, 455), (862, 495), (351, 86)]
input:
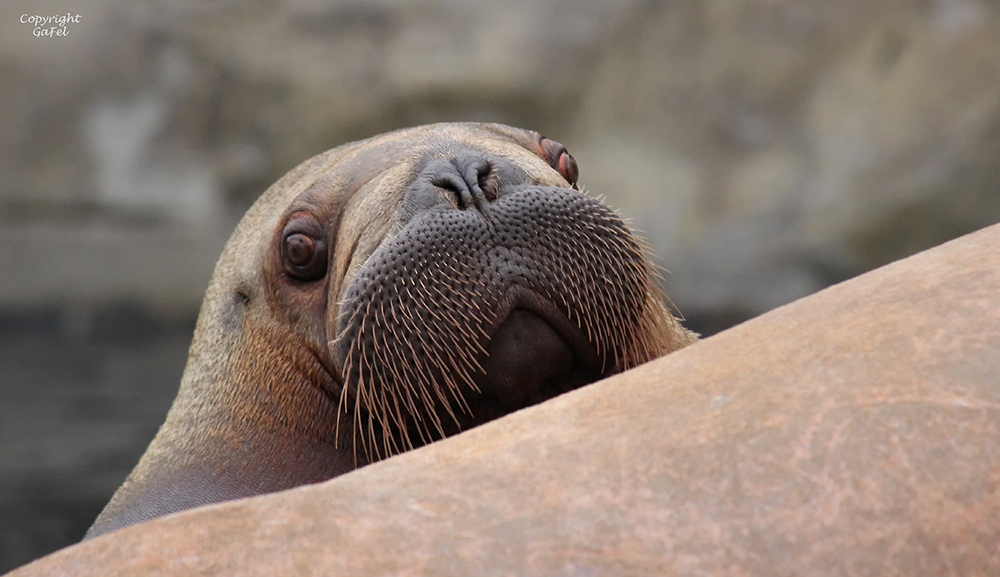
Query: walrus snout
[(467, 178), (512, 292)]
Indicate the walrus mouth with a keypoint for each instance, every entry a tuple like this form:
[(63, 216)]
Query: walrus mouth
[(535, 352)]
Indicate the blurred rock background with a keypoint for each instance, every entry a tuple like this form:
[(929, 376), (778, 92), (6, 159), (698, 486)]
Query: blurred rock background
[(768, 148)]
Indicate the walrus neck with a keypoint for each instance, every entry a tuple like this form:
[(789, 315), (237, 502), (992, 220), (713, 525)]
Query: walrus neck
[(262, 439)]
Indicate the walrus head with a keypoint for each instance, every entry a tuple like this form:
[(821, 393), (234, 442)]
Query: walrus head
[(391, 292)]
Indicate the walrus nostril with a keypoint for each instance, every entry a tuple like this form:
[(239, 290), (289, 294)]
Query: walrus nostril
[(477, 175), (470, 181), (454, 184)]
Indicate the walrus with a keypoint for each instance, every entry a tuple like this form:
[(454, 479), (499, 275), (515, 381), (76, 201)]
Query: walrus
[(391, 292)]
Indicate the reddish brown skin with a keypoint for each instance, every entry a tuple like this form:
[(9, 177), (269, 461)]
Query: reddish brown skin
[(854, 432)]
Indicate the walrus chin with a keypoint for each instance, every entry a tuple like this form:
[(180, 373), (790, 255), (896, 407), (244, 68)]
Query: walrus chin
[(536, 349)]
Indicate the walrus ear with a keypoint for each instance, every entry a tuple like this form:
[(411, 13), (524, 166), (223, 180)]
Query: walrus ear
[(560, 159)]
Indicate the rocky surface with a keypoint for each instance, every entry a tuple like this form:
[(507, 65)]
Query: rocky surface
[(768, 148)]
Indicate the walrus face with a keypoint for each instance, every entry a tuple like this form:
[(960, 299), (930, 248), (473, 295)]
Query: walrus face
[(391, 292), (489, 285)]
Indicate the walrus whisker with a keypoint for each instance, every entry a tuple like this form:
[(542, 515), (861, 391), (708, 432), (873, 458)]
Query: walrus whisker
[(388, 397), (408, 383), (403, 387), (357, 419), (442, 364), (341, 403), (449, 382)]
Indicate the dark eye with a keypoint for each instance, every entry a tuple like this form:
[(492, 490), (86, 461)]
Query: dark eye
[(303, 249), (560, 159), (299, 249)]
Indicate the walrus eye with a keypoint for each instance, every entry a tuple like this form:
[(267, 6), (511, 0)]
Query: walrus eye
[(560, 159), (299, 249), (304, 250)]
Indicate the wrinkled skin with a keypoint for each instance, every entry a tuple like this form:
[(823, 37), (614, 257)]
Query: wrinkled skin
[(389, 293)]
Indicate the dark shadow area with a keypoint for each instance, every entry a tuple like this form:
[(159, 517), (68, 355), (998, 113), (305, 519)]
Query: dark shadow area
[(80, 398)]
